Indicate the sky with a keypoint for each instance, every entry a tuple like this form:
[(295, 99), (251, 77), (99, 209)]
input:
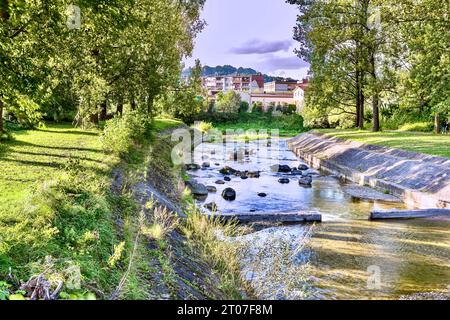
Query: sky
[(251, 34)]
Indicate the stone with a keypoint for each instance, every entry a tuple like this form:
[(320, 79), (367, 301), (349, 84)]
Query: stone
[(254, 174), (220, 182), (228, 179), (244, 177), (280, 168), (305, 181), (296, 172), (196, 188), (211, 206), (229, 194), (192, 167), (284, 180), (303, 167), (206, 165), (211, 189), (262, 194)]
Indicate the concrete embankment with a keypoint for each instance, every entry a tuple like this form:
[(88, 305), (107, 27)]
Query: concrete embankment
[(419, 180)]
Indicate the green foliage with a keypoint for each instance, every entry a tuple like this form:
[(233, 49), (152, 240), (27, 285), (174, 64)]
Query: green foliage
[(373, 54), (122, 133), (289, 125), (203, 126), (244, 107), (417, 126), (228, 103)]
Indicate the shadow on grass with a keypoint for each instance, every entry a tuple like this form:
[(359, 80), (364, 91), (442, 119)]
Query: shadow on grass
[(23, 143), (62, 156), (85, 133)]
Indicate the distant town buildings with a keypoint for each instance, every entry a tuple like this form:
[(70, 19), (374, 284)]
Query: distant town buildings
[(253, 89)]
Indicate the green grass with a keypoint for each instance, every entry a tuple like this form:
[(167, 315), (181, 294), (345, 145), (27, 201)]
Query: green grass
[(34, 156), (161, 124), (56, 201), (288, 125), (438, 145)]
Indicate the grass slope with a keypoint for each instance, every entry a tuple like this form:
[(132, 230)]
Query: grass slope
[(438, 145)]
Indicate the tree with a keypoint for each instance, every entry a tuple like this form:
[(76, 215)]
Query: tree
[(187, 100), (229, 102)]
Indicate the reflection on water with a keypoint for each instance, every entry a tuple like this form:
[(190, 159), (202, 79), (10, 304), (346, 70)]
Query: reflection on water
[(412, 256)]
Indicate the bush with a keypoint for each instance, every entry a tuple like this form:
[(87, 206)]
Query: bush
[(244, 107), (417, 126), (122, 133), (203, 126)]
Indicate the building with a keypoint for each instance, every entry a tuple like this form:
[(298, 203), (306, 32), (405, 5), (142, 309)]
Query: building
[(272, 99), (238, 83), (280, 86), (299, 94)]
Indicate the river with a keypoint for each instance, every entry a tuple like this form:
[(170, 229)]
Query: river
[(348, 256)]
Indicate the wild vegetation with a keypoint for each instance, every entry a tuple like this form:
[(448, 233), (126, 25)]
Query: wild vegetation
[(392, 55)]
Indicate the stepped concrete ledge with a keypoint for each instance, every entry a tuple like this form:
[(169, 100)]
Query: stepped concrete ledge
[(420, 180)]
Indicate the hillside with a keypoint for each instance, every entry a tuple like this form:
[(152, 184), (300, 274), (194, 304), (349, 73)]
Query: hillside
[(224, 70)]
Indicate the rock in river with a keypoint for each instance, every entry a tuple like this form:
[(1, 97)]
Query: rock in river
[(196, 188), (305, 181), (220, 182), (206, 165), (228, 179), (211, 206), (284, 180), (192, 167), (211, 189), (280, 168), (229, 194), (303, 167), (262, 194)]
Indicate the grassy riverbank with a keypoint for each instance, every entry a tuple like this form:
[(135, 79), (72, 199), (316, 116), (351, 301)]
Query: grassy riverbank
[(427, 143), (288, 125), (60, 218)]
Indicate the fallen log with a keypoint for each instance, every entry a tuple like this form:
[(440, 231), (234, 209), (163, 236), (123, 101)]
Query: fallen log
[(283, 217), (408, 214)]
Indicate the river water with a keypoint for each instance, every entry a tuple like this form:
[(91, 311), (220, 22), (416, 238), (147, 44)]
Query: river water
[(348, 256)]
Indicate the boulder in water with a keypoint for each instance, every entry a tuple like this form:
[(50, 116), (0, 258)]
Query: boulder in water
[(211, 206), (284, 180), (229, 194), (305, 181), (192, 167), (211, 189), (262, 194), (197, 189), (280, 168), (303, 167)]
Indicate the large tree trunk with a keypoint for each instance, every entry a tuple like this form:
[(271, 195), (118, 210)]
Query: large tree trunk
[(358, 100), (103, 111), (376, 96), (4, 12), (361, 107), (120, 107), (437, 123), (1, 116)]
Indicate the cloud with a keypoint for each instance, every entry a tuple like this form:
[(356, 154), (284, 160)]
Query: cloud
[(274, 63), (257, 46)]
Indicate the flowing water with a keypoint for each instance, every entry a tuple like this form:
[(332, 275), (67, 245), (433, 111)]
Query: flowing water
[(350, 257)]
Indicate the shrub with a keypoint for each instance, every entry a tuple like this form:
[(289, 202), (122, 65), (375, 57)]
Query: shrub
[(417, 126), (122, 133), (244, 107), (203, 126)]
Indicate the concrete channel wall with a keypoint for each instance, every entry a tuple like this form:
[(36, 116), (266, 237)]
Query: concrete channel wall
[(421, 180)]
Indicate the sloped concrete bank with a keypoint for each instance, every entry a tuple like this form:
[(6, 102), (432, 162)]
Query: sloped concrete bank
[(420, 180)]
